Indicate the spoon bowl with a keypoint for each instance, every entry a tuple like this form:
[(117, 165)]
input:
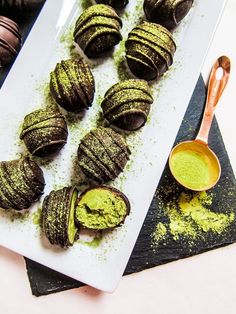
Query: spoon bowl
[(192, 163)]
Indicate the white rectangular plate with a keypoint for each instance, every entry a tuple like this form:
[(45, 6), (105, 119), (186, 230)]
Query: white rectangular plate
[(101, 267)]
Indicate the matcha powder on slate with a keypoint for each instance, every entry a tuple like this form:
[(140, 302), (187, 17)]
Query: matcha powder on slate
[(189, 217)]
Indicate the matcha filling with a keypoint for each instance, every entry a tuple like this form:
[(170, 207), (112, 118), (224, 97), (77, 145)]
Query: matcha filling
[(101, 209)]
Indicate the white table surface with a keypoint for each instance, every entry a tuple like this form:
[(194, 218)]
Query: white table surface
[(204, 284)]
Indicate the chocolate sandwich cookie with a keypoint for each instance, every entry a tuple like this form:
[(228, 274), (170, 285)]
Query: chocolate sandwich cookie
[(97, 30), (58, 216), (101, 208), (103, 154), (127, 104), (21, 183), (116, 4), (167, 12), (21, 4), (44, 132), (10, 40), (72, 85), (150, 50)]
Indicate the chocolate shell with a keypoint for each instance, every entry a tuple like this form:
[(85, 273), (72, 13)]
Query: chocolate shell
[(101, 208), (21, 183), (150, 50), (10, 40), (44, 132), (21, 4), (127, 104), (72, 85), (103, 154), (116, 4), (58, 216), (167, 12), (97, 30)]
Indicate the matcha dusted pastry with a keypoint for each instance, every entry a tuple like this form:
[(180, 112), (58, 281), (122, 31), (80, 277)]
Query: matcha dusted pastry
[(97, 30), (150, 50), (116, 4), (103, 154), (166, 12), (72, 85), (101, 208), (21, 4), (10, 40), (44, 132), (58, 216), (127, 104), (21, 183)]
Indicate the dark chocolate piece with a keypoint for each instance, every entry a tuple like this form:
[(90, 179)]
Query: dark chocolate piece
[(21, 4), (103, 154), (72, 85), (10, 40), (127, 104), (97, 30), (150, 50), (168, 13), (58, 216), (44, 132), (21, 183), (101, 208), (116, 4)]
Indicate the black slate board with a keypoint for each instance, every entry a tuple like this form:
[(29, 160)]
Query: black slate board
[(44, 281)]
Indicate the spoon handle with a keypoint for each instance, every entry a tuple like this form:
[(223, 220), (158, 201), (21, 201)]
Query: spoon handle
[(218, 79)]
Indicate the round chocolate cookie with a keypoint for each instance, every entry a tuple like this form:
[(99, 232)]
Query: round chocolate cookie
[(127, 104), (97, 30), (72, 85), (44, 132), (116, 4), (102, 154), (166, 12), (101, 208), (21, 4), (58, 216), (150, 50), (21, 183), (10, 40)]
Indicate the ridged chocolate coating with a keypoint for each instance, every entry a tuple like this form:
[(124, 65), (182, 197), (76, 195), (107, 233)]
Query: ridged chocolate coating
[(166, 12), (56, 211), (103, 154), (21, 183), (116, 4), (97, 30), (44, 132), (127, 104), (21, 4), (72, 85), (10, 40), (150, 50)]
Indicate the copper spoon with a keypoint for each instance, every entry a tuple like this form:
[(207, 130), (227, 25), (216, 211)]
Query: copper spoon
[(198, 149)]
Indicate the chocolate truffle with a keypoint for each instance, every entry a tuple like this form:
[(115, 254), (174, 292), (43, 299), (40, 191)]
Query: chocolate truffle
[(72, 85), (97, 30), (149, 50), (21, 4), (102, 208), (58, 216), (10, 40), (116, 4), (21, 183), (103, 154), (44, 132), (166, 12), (127, 104)]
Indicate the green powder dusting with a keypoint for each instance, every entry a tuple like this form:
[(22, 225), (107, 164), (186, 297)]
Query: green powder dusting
[(93, 244), (191, 169), (36, 217), (189, 217)]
